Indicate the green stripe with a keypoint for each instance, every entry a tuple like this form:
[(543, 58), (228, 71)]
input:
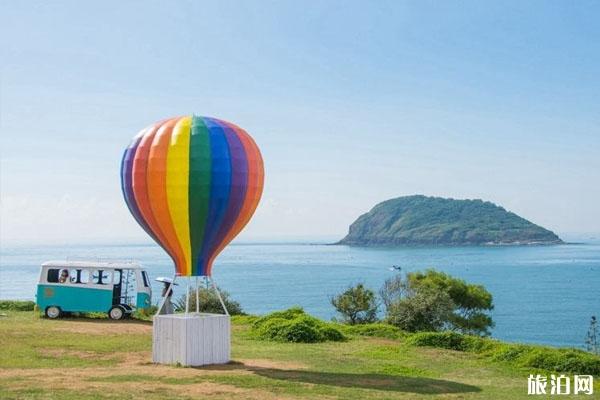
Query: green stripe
[(199, 186)]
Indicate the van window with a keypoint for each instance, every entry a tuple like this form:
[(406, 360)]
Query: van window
[(53, 275), (145, 277), (101, 277), (117, 276), (80, 276)]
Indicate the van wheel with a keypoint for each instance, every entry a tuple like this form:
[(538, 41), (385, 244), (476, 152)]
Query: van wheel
[(53, 312), (116, 313)]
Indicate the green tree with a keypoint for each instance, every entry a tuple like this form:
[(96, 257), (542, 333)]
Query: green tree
[(209, 302), (357, 305), (592, 343), (421, 300), (472, 302), (393, 290), (424, 310)]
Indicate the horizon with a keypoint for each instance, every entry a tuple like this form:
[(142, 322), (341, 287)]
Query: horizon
[(349, 105), (569, 238)]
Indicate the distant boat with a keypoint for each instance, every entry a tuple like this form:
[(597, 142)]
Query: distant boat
[(395, 268)]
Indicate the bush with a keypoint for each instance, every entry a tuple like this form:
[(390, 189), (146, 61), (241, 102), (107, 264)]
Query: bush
[(510, 352), (145, 314), (209, 302), (17, 305), (357, 305), (561, 360), (443, 340), (529, 356), (375, 330), (332, 334), (294, 325), (300, 330), (244, 319), (290, 313)]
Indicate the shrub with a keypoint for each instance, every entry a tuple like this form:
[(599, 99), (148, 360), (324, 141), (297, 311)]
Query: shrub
[(244, 319), (357, 305), (209, 302), (290, 313), (375, 330), (543, 358), (443, 340), (17, 305), (509, 352), (561, 360), (294, 325), (303, 329), (271, 329), (332, 334), (145, 314)]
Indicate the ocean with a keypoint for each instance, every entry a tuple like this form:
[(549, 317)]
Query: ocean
[(543, 295)]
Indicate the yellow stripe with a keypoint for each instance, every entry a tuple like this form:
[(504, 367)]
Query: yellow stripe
[(178, 173)]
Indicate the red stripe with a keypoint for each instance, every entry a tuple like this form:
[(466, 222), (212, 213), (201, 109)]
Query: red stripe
[(156, 176), (140, 188)]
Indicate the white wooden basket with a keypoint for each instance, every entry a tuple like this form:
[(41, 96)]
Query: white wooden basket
[(191, 339)]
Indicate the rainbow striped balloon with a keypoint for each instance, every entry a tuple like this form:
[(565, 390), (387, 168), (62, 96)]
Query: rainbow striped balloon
[(192, 183)]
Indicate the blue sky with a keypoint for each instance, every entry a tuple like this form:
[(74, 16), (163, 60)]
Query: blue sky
[(351, 103)]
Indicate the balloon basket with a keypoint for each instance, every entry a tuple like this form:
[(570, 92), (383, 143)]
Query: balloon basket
[(191, 339)]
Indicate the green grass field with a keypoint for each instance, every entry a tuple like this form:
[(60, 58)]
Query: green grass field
[(101, 359)]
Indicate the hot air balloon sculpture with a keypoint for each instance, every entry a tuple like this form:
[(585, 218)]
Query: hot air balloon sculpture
[(192, 183)]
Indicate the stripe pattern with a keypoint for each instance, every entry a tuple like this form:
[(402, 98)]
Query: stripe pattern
[(192, 183)]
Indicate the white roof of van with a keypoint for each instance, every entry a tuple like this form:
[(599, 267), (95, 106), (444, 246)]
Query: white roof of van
[(93, 264)]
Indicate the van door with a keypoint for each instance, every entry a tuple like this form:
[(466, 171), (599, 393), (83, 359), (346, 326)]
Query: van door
[(117, 284), (144, 291)]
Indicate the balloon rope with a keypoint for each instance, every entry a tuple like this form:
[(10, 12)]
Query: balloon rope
[(197, 296), (219, 295), (164, 299), (187, 297)]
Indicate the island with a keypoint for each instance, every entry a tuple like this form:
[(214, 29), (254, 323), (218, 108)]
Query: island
[(425, 221)]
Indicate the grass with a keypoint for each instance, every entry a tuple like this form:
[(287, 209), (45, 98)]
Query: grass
[(539, 357), (100, 359), (17, 305)]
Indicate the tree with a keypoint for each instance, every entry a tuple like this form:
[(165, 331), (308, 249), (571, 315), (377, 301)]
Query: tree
[(591, 342), (470, 303), (209, 302), (393, 290), (425, 310), (357, 305)]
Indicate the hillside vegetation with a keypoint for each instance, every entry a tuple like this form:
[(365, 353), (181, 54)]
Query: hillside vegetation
[(81, 358), (421, 220)]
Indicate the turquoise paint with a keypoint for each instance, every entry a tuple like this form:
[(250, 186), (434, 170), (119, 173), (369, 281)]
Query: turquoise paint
[(73, 298), (143, 300)]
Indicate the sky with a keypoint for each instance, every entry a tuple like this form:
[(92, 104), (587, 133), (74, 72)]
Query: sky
[(351, 103)]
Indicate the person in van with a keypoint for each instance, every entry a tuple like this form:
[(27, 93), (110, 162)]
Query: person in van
[(64, 276)]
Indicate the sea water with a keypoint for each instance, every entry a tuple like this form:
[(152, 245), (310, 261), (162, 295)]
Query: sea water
[(544, 294)]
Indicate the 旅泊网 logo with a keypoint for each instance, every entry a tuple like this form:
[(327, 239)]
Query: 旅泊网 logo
[(560, 385)]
